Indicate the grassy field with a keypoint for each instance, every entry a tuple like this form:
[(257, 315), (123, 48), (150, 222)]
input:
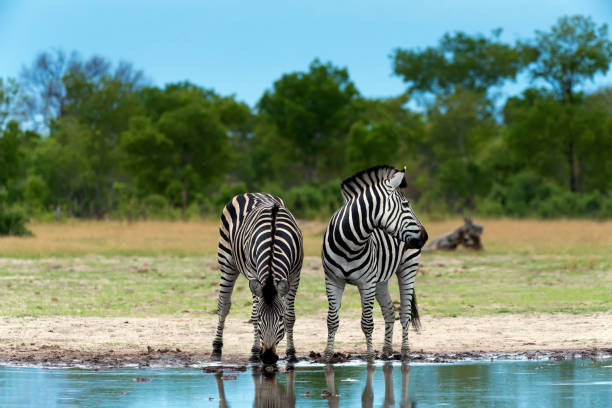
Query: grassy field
[(162, 268)]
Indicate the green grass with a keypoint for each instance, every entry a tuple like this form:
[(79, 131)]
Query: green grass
[(449, 284)]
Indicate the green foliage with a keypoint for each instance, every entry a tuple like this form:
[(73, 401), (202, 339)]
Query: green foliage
[(312, 111), (572, 52), (112, 146), (12, 218), (312, 201), (9, 94), (460, 60), (156, 207), (35, 193), (186, 148)]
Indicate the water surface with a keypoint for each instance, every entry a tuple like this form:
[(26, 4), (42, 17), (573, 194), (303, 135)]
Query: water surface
[(575, 383)]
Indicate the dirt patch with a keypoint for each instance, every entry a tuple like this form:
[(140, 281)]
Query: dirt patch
[(169, 341)]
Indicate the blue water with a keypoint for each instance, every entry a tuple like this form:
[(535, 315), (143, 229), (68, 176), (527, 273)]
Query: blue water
[(576, 383)]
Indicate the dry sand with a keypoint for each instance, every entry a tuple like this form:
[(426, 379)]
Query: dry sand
[(181, 341)]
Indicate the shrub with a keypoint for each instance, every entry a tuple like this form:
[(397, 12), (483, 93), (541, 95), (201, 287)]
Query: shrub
[(226, 193), (590, 204), (13, 221), (156, 206), (305, 201), (606, 207), (35, 193)]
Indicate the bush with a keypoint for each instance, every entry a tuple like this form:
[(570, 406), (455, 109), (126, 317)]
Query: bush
[(226, 193), (12, 221), (314, 200), (305, 202), (156, 206), (35, 193), (606, 207), (562, 204), (590, 204), (490, 207)]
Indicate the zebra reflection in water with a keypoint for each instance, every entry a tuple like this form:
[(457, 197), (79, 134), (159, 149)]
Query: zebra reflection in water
[(367, 396), (268, 391)]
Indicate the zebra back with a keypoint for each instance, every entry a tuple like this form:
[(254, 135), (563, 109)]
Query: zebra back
[(260, 238)]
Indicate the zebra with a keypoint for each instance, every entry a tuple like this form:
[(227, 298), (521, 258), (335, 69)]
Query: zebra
[(372, 236), (260, 239)]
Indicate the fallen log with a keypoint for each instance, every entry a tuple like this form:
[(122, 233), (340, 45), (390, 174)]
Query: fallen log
[(467, 235)]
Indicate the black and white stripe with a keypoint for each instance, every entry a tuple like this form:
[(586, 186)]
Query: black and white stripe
[(260, 239), (374, 235)]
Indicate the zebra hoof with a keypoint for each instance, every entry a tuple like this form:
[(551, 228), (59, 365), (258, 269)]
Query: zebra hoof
[(215, 356), (405, 355), (387, 354), (255, 359), (291, 356)]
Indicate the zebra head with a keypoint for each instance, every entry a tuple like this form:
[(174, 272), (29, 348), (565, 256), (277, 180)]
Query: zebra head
[(270, 315), (397, 217)]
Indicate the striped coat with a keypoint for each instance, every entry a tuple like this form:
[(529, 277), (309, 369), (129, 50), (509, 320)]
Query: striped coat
[(373, 236), (260, 239)]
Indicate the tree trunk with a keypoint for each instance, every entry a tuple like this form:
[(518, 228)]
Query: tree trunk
[(572, 165), (183, 204)]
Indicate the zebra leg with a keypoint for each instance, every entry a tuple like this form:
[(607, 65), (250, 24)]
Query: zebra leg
[(367, 396), (334, 288), (256, 349), (290, 320), (386, 305), (367, 323), (405, 279), (226, 287), (221, 390)]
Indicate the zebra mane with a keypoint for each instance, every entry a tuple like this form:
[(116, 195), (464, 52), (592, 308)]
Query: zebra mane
[(357, 183), (269, 290)]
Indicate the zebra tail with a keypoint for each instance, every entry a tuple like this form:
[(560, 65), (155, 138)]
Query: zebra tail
[(269, 290), (414, 313)]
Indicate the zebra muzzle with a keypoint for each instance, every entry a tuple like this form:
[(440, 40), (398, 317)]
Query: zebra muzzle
[(419, 241), (268, 356)]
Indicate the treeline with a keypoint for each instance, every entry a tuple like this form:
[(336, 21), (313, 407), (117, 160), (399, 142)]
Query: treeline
[(87, 138)]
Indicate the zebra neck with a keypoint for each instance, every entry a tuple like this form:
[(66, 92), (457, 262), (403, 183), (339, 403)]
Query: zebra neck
[(353, 227)]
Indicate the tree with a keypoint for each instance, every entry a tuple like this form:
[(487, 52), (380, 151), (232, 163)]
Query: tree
[(572, 52), (44, 86), (63, 161), (461, 127), (385, 132), (11, 160), (104, 106), (313, 111), (185, 148), (9, 94), (471, 62), (540, 130)]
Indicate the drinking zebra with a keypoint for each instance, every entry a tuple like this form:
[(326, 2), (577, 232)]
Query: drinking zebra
[(372, 236), (260, 239)]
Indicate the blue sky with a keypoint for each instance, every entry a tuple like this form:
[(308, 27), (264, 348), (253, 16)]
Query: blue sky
[(242, 47)]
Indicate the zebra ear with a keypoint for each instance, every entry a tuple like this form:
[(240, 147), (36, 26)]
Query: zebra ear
[(282, 287), (256, 288), (397, 179)]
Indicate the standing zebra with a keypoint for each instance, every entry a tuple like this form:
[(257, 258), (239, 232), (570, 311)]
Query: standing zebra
[(372, 236), (260, 239)]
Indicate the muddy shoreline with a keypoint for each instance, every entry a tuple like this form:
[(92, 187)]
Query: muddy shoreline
[(168, 341), (176, 359)]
